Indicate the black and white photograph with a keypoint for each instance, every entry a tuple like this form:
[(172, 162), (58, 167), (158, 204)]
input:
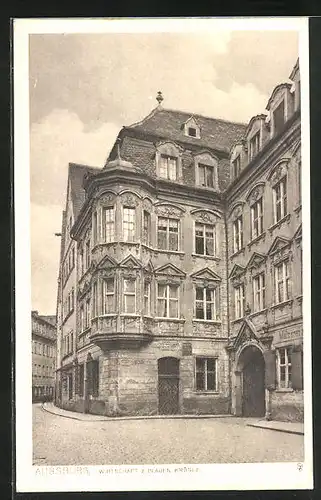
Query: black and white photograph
[(163, 337)]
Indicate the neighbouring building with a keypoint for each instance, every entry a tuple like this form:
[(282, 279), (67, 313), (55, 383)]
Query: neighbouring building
[(44, 337), (180, 285)]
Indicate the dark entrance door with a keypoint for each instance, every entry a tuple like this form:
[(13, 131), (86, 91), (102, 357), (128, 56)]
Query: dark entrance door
[(168, 386), (253, 385)]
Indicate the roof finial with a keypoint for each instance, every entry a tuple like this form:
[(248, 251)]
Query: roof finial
[(159, 98)]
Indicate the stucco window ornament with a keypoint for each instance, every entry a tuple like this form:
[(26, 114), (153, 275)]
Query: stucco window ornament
[(204, 216), (255, 194), (107, 199), (129, 200), (168, 211), (279, 172), (237, 211)]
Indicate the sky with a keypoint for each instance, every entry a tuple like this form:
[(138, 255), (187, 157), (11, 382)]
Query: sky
[(84, 87)]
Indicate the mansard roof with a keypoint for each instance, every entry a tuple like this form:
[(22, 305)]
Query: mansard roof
[(217, 134)]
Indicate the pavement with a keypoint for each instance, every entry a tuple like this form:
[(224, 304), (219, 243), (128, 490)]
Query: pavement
[(288, 427), (102, 441)]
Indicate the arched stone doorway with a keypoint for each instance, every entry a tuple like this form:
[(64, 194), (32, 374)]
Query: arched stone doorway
[(250, 385), (168, 386)]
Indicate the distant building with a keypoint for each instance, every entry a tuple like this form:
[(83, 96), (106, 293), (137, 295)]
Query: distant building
[(180, 284), (43, 356)]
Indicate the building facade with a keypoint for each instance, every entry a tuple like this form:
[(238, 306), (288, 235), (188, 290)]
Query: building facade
[(185, 280), (44, 355)]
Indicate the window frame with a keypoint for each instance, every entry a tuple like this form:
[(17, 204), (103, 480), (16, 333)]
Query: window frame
[(257, 218), (167, 299), (147, 231), (255, 144), (134, 224), (236, 166), (282, 200), (164, 167), (105, 293), (147, 297), (238, 242), (205, 238), (214, 302), (168, 219), (205, 373), (286, 365), (206, 167), (107, 223), (239, 301), (284, 280), (259, 292), (129, 294)]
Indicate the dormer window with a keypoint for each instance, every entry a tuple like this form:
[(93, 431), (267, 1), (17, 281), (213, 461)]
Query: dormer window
[(192, 131), (168, 167), (206, 175), (254, 145), (278, 118)]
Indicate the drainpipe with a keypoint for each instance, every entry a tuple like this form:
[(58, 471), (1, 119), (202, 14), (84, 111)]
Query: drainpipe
[(228, 309)]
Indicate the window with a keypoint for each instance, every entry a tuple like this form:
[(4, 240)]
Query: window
[(259, 292), (167, 234), (108, 224), (88, 313), (147, 307), (129, 214), (95, 228), (257, 219), (168, 167), (254, 145), (82, 318), (206, 374), (206, 175), (282, 282), (300, 181), (279, 118), (167, 301), (95, 299), (284, 372), (280, 200), (95, 378), (239, 301), (72, 257), (129, 296), (146, 228), (192, 131), (206, 303), (205, 239), (238, 234), (236, 163), (81, 261), (108, 296), (87, 256)]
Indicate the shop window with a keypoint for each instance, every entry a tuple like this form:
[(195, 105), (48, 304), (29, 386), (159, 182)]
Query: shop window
[(206, 374)]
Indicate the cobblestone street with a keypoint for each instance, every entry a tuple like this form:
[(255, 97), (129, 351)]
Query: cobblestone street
[(63, 441)]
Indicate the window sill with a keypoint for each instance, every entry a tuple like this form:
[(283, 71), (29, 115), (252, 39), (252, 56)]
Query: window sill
[(206, 393), (282, 304), (242, 250), (207, 321), (173, 320), (278, 224), (173, 252), (257, 313), (134, 243), (284, 389), (129, 315), (257, 239), (103, 243), (210, 257), (109, 315)]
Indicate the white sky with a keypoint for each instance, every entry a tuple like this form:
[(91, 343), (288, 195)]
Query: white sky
[(84, 88)]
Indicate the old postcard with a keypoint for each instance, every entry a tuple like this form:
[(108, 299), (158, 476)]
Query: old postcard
[(163, 337)]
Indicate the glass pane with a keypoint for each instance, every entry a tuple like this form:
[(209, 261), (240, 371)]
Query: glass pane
[(172, 170), (209, 246), (199, 245), (162, 308), (199, 310), (161, 290), (173, 308), (209, 311), (209, 177), (201, 174), (211, 365), (130, 304), (162, 240), (200, 364), (199, 293), (173, 225), (129, 286), (200, 381), (110, 285), (109, 304), (211, 381), (173, 242), (173, 292), (282, 356)]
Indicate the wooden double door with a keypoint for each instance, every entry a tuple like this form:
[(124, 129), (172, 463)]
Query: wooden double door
[(253, 401)]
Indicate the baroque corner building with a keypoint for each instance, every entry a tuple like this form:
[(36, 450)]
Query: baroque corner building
[(180, 283)]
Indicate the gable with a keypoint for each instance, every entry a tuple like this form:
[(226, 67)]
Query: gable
[(246, 333), (237, 271), (130, 261), (206, 274), (256, 260), (278, 244), (106, 262), (170, 270)]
